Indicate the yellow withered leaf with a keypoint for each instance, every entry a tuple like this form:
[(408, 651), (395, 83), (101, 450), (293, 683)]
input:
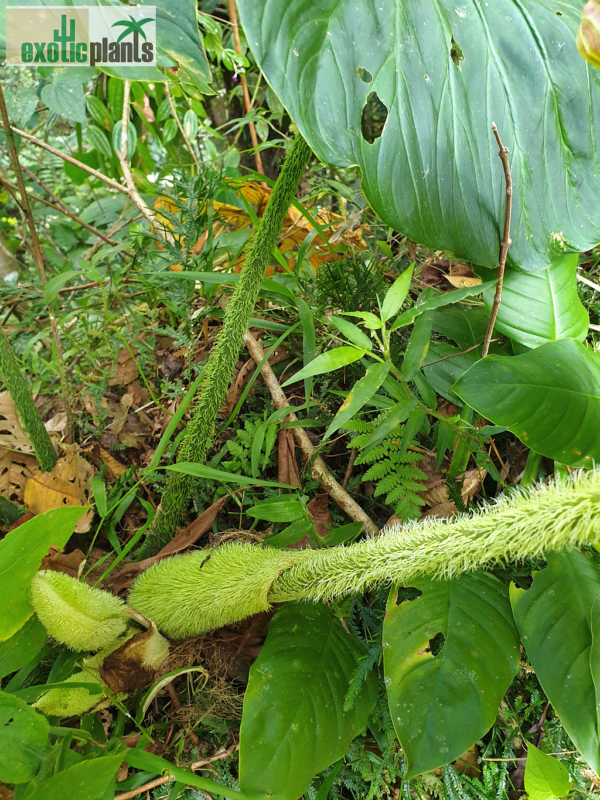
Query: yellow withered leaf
[(67, 485)]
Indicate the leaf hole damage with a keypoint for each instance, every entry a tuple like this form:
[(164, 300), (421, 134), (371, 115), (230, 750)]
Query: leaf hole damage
[(373, 119), (364, 75), (436, 644), (456, 53), (407, 594)]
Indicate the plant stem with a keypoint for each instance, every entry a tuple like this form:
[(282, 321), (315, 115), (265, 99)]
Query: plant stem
[(504, 244), (29, 417), (532, 467), (221, 364), (36, 251), (179, 125)]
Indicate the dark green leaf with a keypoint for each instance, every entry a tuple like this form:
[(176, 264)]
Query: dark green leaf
[(88, 780), (23, 737), (76, 174), (99, 140), (131, 138), (434, 174), (549, 398), (554, 619), (466, 326), (293, 725), (21, 553), (540, 307), (343, 534), (449, 657), (65, 98), (22, 646), (443, 375), (292, 534)]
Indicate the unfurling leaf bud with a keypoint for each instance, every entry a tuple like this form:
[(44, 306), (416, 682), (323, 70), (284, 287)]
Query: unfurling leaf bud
[(588, 35)]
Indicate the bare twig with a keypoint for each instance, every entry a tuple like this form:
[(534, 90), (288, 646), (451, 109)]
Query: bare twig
[(179, 125), (247, 102), (38, 257), (166, 778), (319, 470), (504, 244), (39, 143), (456, 355), (123, 157), (350, 467), (588, 282)]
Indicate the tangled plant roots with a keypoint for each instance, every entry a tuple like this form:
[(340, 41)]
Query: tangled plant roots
[(189, 594)]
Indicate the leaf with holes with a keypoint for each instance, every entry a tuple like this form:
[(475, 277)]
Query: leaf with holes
[(560, 635), (23, 738), (409, 91), (294, 725), (450, 654), (540, 307), (548, 397)]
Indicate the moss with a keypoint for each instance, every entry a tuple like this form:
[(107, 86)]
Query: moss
[(221, 364), (31, 422)]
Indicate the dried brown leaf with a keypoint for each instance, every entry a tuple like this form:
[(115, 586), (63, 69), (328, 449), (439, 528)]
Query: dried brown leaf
[(12, 435), (67, 485), (15, 470), (126, 369)]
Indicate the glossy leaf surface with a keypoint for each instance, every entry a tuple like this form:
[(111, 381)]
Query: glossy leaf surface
[(554, 617), (434, 173), (294, 724), (21, 553), (449, 656), (540, 307), (23, 736), (548, 397)]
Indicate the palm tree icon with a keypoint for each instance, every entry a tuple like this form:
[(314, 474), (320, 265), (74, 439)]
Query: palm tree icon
[(133, 26)]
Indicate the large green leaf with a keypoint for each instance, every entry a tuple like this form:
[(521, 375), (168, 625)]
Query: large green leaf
[(540, 307), (294, 724), (22, 646), (549, 398), (88, 780), (443, 700), (445, 72), (21, 553), (554, 619), (23, 737)]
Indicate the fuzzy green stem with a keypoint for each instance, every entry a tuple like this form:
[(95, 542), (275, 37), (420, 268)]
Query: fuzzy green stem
[(31, 422), (191, 594), (221, 364)]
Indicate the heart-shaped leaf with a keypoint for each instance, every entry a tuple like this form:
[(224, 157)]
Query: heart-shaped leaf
[(540, 307), (554, 620), (408, 91), (294, 724), (549, 397), (545, 777), (450, 654)]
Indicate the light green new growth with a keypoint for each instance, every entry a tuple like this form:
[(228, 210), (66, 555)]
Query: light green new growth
[(183, 596), (194, 593), (221, 364), (31, 422), (75, 614)]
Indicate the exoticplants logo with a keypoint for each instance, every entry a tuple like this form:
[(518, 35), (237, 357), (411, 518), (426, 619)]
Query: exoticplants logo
[(80, 35)]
